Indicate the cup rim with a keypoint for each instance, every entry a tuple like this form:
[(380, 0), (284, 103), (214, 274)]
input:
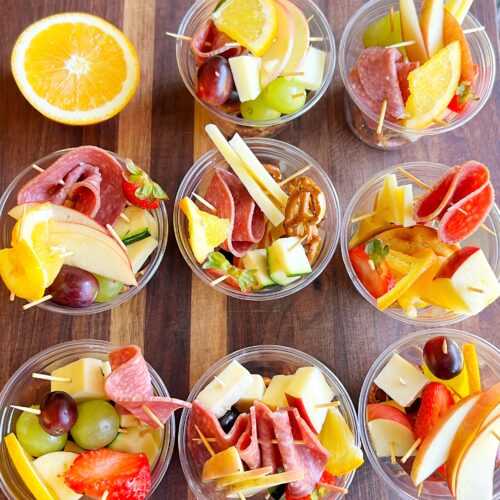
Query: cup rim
[(494, 216), (406, 341), (199, 168), (285, 118), (428, 131), (268, 348), (92, 344), (160, 215)]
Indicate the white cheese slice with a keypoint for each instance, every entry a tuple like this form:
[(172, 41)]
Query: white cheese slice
[(246, 76), (274, 397), (225, 390), (139, 252), (254, 393), (313, 69), (401, 380)]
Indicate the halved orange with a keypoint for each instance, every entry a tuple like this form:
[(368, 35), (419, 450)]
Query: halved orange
[(75, 68)]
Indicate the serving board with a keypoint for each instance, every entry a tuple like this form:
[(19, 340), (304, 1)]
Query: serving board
[(183, 325)]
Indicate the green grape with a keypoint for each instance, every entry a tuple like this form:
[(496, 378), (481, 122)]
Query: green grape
[(108, 289), (285, 96), (258, 109), (34, 439), (96, 426)]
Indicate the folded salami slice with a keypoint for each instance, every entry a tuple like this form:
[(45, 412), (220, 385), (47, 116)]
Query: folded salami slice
[(461, 200), (92, 182), (232, 201), (310, 457), (403, 70), (129, 385), (270, 454)]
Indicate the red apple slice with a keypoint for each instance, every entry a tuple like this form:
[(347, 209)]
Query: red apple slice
[(431, 23), (300, 38)]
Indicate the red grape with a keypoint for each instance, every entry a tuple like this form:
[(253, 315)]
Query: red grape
[(74, 287), (58, 413), (443, 357), (215, 81)]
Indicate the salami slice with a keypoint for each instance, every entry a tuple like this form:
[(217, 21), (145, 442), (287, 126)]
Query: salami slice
[(248, 443), (129, 385), (232, 201), (270, 454), (92, 182), (403, 70)]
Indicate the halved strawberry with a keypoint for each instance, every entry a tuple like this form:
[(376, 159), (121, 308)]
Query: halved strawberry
[(436, 401), (371, 268), (124, 476)]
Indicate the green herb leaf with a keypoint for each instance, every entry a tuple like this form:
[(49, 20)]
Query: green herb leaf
[(246, 279), (377, 250)]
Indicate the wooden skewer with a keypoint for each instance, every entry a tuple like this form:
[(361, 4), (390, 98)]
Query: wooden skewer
[(402, 381), (473, 30), (153, 417), (179, 37), (52, 378), (310, 18), (34, 166), (273, 441), (66, 254), (36, 302), (419, 490), (331, 404), (105, 495), (496, 435), (391, 16), (474, 289), (401, 44), (121, 430), (381, 117), (241, 496), (293, 73), (297, 243), (26, 409), (204, 441), (333, 487), (124, 217), (293, 176), (412, 448), (219, 381), (444, 347), (437, 121), (219, 280), (371, 264), (362, 217), (454, 391), (205, 202), (109, 227), (316, 38), (12, 296), (393, 453), (300, 94)]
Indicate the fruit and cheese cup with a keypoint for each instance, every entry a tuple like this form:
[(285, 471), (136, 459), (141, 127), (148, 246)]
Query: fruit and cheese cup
[(231, 84), (129, 249), (250, 269), (432, 398), (379, 225), (86, 363), (372, 28), (256, 380)]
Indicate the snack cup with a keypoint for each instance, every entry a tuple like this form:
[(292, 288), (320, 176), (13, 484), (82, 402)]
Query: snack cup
[(266, 360), (22, 389), (363, 121), (8, 201), (362, 203), (290, 159), (193, 21), (410, 347)]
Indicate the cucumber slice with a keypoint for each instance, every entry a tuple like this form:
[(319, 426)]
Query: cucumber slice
[(140, 220), (134, 236), (286, 264), (257, 259)]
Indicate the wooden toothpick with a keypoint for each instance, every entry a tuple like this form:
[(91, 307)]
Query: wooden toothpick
[(381, 117), (110, 228), (401, 44), (393, 453), (294, 175), (473, 30), (331, 404), (412, 448), (204, 441), (36, 302), (179, 37), (391, 16), (444, 347), (298, 242), (153, 417), (474, 289), (219, 381), (363, 217), (219, 280), (26, 409), (34, 166), (52, 378), (205, 202), (124, 217)]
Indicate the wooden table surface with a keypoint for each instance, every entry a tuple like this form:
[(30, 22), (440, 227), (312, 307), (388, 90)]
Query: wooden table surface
[(183, 325)]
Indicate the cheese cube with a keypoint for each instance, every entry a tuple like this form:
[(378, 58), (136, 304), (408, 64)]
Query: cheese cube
[(87, 380), (225, 390), (401, 380), (246, 76), (274, 397), (254, 393), (313, 69)]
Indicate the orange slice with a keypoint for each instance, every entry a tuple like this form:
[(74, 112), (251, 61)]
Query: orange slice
[(75, 68)]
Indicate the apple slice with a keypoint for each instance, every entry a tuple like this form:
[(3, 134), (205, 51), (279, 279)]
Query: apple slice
[(435, 448), (251, 487), (477, 466), (300, 39), (411, 31), (222, 464), (431, 23), (485, 409), (387, 425), (276, 58), (225, 481), (458, 8)]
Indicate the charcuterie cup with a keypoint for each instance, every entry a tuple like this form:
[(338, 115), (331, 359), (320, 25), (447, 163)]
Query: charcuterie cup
[(363, 121), (290, 160), (22, 389), (9, 201), (363, 203), (196, 18), (410, 347), (266, 360)]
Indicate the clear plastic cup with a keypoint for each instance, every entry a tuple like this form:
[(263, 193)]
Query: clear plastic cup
[(363, 121), (22, 389), (290, 159), (9, 200), (362, 203), (410, 347), (266, 360), (195, 19)]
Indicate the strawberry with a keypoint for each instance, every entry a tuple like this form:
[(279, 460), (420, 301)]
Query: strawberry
[(371, 268), (436, 401), (140, 190), (464, 94), (124, 476)]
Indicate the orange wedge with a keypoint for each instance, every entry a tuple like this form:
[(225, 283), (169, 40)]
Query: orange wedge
[(75, 68)]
